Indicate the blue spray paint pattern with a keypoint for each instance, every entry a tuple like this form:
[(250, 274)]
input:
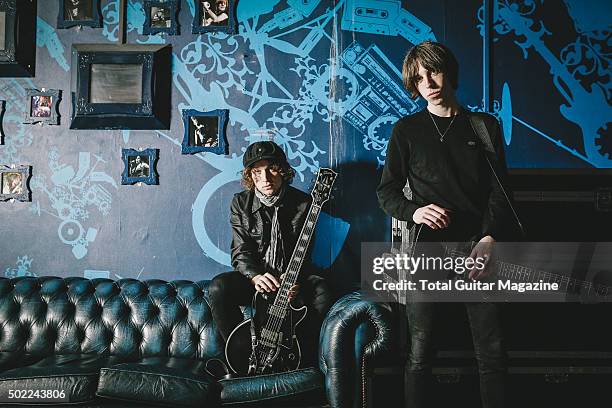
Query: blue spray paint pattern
[(17, 135), (329, 89), (135, 21), (580, 72), (46, 37), (72, 195), (22, 268)]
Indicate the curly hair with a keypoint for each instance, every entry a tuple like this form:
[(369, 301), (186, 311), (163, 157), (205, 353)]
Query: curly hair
[(285, 170), (434, 57)]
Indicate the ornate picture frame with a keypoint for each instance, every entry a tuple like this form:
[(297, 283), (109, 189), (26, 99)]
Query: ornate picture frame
[(17, 38), (121, 87), (14, 183), (42, 106), (139, 166), (161, 17), (204, 131), (211, 17), (73, 13)]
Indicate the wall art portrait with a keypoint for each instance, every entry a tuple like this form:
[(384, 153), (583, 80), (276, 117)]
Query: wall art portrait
[(14, 183), (214, 15), (204, 131), (161, 17), (41, 106), (79, 13), (139, 166)]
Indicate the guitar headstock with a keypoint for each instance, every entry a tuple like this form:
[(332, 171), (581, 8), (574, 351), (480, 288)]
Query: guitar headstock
[(323, 185)]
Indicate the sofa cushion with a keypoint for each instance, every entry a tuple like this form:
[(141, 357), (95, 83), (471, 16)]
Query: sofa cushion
[(70, 378), (10, 360), (162, 381), (300, 387)]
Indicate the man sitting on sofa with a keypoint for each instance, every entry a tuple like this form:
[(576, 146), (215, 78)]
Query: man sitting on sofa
[(266, 220)]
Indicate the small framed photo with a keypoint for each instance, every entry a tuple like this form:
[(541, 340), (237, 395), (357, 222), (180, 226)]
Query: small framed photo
[(160, 17), (214, 15), (14, 183), (41, 106), (79, 13), (139, 166), (204, 131)]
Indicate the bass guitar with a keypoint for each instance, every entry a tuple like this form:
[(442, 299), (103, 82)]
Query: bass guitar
[(270, 334)]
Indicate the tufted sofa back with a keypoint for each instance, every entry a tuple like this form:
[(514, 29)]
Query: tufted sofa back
[(129, 318)]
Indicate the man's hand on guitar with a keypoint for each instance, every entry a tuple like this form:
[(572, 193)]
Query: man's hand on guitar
[(265, 283), (268, 283), (293, 291), (482, 249), (434, 216)]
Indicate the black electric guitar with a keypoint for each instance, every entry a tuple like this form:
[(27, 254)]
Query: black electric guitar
[(267, 343)]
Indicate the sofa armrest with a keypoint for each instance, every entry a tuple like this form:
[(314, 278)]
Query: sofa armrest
[(355, 335)]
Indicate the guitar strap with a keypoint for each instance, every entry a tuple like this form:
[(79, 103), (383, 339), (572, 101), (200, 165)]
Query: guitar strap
[(479, 127), (481, 131)]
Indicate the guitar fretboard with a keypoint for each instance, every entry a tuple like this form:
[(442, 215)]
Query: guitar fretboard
[(295, 263), (521, 273)]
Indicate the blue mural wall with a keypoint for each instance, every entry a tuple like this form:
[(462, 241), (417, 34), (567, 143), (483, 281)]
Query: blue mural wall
[(322, 79)]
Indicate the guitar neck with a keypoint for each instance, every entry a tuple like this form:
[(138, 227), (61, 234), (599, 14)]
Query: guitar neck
[(297, 258), (525, 274), (521, 273)]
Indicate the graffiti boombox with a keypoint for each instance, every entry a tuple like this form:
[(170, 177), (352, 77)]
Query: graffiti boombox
[(379, 100)]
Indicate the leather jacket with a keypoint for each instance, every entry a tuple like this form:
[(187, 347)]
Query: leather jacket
[(251, 230)]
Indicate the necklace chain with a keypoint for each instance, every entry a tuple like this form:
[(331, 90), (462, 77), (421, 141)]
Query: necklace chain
[(436, 125)]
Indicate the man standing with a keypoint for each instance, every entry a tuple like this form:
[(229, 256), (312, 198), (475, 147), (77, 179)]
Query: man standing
[(455, 197), (266, 220)]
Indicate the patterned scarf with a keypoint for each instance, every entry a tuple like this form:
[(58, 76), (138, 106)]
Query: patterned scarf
[(275, 253)]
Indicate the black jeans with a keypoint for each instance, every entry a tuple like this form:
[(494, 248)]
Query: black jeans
[(228, 291), (488, 347)]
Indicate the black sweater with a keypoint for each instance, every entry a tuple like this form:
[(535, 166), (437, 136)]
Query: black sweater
[(453, 174)]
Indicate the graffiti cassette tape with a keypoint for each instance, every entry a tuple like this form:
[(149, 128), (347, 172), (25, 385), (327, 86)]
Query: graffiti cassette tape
[(374, 17), (382, 99), (384, 17)]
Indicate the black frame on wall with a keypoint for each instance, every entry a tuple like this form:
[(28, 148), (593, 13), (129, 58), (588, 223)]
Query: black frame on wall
[(2, 111), (149, 26), (128, 176), (152, 111), (94, 20), (198, 28), (18, 54), (24, 193), (30, 116), (213, 137)]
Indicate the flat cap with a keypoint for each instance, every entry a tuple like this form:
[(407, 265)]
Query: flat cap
[(266, 150)]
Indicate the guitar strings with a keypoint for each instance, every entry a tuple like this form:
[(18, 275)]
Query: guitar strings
[(274, 323)]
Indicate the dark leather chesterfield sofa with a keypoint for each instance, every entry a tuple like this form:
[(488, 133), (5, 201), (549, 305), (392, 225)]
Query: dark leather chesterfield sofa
[(104, 343)]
